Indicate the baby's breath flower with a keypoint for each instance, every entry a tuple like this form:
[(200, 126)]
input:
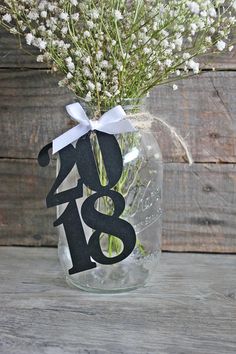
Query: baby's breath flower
[(108, 94), (94, 14), (33, 15), (194, 66), (90, 86), (118, 15), (44, 14), (40, 43), (74, 2), (69, 76), (99, 87), (220, 45), (75, 16), (99, 55), (87, 72), (88, 97), (175, 87), (13, 30), (7, 18), (90, 24), (104, 64), (121, 49), (194, 7), (87, 34), (168, 62), (64, 16), (40, 58), (29, 38), (103, 75)]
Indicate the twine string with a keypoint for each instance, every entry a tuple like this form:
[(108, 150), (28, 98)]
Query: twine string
[(138, 121)]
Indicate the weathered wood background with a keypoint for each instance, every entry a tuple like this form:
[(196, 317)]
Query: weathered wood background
[(199, 201)]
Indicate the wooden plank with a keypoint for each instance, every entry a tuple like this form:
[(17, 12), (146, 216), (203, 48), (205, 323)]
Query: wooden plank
[(32, 113), (190, 308), (24, 218), (199, 206), (14, 57)]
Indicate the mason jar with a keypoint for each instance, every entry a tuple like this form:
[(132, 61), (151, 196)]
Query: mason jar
[(141, 187)]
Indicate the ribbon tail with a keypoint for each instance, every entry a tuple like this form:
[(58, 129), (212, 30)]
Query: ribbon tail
[(69, 137)]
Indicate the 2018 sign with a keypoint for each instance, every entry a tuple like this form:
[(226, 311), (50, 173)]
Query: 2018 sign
[(83, 253)]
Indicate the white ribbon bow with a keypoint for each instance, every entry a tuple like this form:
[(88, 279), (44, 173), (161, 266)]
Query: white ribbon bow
[(112, 122)]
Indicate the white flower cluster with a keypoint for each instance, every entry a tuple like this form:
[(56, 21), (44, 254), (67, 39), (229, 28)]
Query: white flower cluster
[(109, 50)]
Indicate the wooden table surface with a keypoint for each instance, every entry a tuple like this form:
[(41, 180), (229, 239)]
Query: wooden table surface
[(190, 308)]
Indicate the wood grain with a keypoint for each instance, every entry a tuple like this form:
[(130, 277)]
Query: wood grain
[(199, 206), (12, 56), (190, 308), (24, 218), (32, 113)]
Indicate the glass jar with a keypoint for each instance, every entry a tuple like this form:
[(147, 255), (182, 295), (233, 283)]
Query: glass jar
[(141, 187)]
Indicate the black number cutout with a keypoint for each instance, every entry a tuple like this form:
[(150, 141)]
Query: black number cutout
[(77, 243), (111, 225), (67, 162), (82, 252)]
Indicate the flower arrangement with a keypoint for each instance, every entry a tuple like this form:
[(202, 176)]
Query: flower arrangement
[(111, 50)]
